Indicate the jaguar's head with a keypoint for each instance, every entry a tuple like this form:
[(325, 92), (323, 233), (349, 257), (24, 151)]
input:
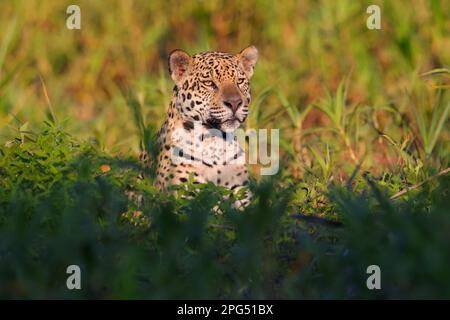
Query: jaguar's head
[(213, 87)]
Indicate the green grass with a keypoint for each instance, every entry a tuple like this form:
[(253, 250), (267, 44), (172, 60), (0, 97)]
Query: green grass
[(363, 119), (59, 207)]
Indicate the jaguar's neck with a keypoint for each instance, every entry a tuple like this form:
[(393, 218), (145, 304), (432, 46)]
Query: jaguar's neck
[(172, 121)]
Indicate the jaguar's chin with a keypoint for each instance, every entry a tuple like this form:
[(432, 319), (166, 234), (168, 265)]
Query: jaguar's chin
[(230, 124), (227, 125)]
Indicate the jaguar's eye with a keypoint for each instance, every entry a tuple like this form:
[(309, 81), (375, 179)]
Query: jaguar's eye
[(241, 81), (209, 83)]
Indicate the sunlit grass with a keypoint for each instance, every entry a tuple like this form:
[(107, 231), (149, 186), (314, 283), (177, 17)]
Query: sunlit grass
[(363, 117)]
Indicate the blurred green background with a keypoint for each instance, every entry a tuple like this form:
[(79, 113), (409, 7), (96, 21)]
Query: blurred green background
[(363, 115), (306, 48)]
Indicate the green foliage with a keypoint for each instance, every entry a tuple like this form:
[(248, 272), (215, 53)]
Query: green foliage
[(58, 207), (406, 240), (358, 126), (430, 129)]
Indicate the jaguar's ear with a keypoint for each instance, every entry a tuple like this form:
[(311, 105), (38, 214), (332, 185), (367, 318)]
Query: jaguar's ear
[(247, 59), (179, 62)]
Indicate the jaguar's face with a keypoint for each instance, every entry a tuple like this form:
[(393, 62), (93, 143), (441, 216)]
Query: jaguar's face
[(213, 87)]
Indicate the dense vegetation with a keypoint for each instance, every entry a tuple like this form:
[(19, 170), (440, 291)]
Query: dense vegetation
[(364, 135)]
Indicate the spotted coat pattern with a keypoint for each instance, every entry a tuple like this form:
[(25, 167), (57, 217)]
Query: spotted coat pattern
[(210, 101)]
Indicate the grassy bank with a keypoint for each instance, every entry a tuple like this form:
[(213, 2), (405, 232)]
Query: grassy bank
[(364, 142)]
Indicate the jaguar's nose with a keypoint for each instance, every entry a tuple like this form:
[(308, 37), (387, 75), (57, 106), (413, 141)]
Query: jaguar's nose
[(233, 102)]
